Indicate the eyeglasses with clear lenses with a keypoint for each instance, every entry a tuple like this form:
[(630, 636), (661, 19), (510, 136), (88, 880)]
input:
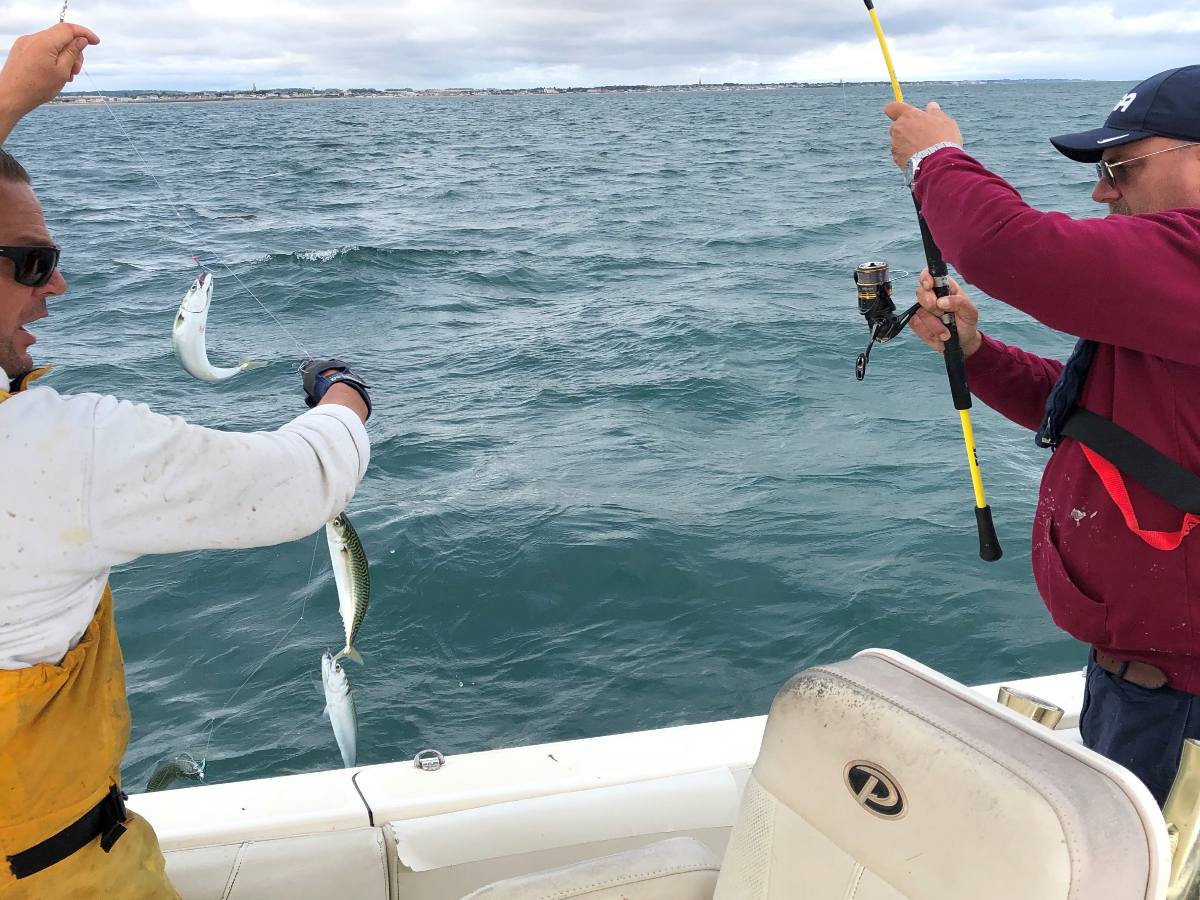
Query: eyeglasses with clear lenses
[(1107, 170), (34, 266)]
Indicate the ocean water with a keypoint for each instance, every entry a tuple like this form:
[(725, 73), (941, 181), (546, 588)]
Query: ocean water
[(623, 475)]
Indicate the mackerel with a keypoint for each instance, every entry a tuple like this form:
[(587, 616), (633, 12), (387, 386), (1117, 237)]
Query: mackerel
[(353, 579), (187, 336), (339, 706), (179, 767)]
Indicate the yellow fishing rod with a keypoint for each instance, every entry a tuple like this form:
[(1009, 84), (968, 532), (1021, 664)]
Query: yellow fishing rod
[(956, 365)]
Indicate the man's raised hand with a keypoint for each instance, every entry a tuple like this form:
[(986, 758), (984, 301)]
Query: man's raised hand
[(914, 130), (927, 323), (37, 68)]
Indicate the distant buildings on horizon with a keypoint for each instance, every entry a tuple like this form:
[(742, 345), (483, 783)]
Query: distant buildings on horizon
[(164, 96)]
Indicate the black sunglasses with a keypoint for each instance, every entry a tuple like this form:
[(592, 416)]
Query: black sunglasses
[(34, 265)]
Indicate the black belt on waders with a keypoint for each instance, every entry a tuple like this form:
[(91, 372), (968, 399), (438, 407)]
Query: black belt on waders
[(105, 820)]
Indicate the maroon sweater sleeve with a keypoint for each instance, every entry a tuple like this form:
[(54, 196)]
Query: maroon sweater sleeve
[(1011, 381), (1130, 281)]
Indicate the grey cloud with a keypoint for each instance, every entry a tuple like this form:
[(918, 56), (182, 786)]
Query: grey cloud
[(568, 42)]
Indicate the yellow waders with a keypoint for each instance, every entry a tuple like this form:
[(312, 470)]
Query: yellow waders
[(63, 732)]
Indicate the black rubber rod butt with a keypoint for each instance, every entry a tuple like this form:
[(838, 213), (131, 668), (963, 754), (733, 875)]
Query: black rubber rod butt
[(989, 544), (869, 4)]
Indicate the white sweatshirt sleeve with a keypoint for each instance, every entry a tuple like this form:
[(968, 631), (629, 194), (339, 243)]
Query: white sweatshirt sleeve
[(160, 485)]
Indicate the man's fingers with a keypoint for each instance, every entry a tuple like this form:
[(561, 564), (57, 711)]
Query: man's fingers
[(70, 59), (69, 42), (86, 33), (66, 32), (74, 48), (896, 109), (929, 329), (935, 109), (80, 43), (927, 299)]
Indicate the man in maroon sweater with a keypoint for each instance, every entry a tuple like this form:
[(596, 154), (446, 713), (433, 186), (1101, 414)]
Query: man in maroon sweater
[(1112, 559)]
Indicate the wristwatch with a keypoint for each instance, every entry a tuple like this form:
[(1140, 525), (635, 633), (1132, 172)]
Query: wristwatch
[(914, 161)]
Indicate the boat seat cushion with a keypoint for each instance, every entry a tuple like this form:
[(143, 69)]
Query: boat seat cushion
[(676, 869), (879, 779)]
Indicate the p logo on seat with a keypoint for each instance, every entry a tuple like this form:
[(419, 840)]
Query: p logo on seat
[(875, 789)]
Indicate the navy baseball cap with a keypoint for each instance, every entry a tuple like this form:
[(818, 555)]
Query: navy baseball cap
[(1167, 105)]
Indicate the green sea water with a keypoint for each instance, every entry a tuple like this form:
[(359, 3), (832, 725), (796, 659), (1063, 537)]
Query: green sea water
[(623, 476)]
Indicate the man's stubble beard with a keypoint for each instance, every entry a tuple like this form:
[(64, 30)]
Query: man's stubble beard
[(12, 365), (1120, 208)]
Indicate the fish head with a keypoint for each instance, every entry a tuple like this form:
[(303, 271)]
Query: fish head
[(340, 527), (199, 295), (333, 676)]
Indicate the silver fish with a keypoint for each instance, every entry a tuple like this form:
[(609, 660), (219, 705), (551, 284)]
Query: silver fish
[(339, 706), (179, 767), (353, 579), (187, 337)]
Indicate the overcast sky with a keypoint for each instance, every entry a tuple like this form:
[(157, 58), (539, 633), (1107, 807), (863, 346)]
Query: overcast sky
[(530, 43)]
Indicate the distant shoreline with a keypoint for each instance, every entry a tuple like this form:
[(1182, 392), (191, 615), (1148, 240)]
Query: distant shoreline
[(158, 96)]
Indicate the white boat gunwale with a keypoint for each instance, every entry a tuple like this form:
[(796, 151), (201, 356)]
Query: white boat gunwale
[(372, 796)]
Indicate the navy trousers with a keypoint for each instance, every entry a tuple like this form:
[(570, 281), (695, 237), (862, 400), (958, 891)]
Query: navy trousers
[(1140, 728)]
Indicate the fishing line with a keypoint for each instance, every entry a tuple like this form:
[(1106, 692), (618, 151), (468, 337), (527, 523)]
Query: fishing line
[(200, 241), (214, 725), (216, 721)]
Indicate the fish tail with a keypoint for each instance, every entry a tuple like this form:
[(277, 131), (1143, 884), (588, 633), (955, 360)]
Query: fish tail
[(244, 364), (350, 653)]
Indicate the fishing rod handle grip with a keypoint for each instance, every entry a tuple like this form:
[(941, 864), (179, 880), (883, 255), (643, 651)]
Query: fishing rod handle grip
[(956, 362), (989, 544), (956, 366)]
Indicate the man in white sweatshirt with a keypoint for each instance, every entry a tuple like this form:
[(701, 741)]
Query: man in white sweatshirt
[(88, 482)]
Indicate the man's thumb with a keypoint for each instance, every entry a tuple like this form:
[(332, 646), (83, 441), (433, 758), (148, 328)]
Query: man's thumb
[(70, 53)]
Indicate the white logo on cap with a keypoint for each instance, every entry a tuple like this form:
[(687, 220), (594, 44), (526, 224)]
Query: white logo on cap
[(1110, 140), (1126, 102)]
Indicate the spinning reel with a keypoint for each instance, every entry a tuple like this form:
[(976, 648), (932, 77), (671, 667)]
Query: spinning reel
[(875, 303)]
